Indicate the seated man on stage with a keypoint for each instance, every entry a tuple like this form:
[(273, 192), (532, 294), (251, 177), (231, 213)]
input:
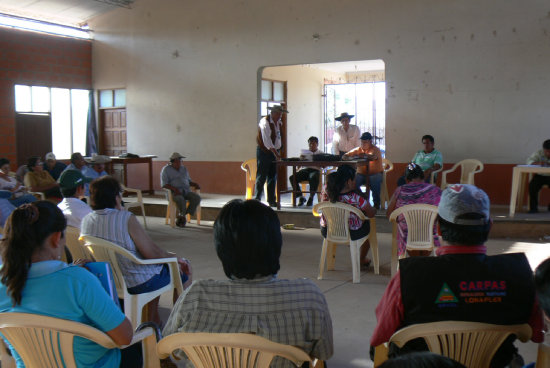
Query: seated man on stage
[(372, 153), (310, 174), (542, 158), (175, 177), (462, 283), (248, 241), (429, 159)]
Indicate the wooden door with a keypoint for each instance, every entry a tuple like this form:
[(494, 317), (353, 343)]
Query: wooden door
[(113, 132), (33, 136)]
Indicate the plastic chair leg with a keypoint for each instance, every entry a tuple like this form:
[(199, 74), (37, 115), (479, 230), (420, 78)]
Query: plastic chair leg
[(323, 259), (331, 256), (355, 262)]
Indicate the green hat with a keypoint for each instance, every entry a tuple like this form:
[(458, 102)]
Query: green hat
[(72, 178)]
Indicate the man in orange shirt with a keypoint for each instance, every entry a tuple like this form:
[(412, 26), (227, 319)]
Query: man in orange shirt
[(375, 169)]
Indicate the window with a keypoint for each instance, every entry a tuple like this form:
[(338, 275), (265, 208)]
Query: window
[(112, 98), (69, 113), (273, 93)]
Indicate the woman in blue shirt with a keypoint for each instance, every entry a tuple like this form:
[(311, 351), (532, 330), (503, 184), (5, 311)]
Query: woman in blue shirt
[(35, 280)]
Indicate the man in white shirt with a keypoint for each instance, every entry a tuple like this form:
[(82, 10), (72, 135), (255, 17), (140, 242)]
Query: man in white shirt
[(310, 174), (346, 137), (269, 144), (72, 184)]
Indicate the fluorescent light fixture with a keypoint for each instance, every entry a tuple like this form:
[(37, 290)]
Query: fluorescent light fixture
[(44, 27)]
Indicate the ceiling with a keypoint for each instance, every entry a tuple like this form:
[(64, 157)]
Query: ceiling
[(68, 12)]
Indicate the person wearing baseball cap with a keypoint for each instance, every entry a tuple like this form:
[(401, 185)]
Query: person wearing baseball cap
[(54, 167), (374, 155), (72, 184), (174, 176), (269, 144), (462, 283), (346, 137)]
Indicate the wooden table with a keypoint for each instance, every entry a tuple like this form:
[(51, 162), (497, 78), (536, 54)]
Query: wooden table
[(518, 184), (125, 161), (319, 164)]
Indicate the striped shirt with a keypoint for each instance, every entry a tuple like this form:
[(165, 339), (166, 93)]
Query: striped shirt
[(292, 312), (112, 225)]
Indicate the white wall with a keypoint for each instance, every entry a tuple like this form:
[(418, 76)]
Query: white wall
[(472, 73)]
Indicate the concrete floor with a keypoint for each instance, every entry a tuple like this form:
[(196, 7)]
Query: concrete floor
[(351, 305)]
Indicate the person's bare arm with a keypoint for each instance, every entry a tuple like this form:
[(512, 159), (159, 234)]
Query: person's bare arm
[(370, 211), (391, 205), (122, 334), (144, 244), (147, 247), (193, 184)]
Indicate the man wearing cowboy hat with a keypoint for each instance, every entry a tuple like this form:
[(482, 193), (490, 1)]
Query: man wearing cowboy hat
[(98, 165), (346, 137), (175, 177), (269, 144)]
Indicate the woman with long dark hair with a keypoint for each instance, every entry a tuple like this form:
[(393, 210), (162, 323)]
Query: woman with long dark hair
[(341, 188), (35, 280)]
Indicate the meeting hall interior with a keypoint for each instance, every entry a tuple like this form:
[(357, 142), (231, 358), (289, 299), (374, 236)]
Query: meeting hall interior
[(149, 78)]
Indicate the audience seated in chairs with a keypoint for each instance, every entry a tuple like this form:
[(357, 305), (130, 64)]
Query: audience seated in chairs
[(111, 222), (35, 280), (415, 191), (248, 240), (341, 187), (98, 165), (18, 193), (52, 166), (431, 289), (38, 180), (6, 208), (72, 184)]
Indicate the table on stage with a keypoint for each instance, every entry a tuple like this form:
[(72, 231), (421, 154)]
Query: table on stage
[(125, 161), (319, 164), (518, 183)]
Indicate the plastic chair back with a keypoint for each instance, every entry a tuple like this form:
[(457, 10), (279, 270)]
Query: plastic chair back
[(420, 219), (76, 248), (105, 251), (46, 342), (471, 343), (250, 167), (337, 218), (227, 350), (137, 203), (468, 168)]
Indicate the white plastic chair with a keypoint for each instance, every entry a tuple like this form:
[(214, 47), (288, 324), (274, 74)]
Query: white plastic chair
[(468, 168), (337, 217), (228, 350), (420, 219), (172, 209), (471, 343), (105, 251), (76, 248), (384, 194), (433, 175), (137, 203), (46, 342), (543, 355)]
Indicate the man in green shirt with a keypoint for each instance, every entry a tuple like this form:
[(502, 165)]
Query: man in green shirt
[(542, 158), (429, 159)]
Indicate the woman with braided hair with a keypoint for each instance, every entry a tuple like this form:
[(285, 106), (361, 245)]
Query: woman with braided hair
[(415, 191), (35, 280), (341, 188)]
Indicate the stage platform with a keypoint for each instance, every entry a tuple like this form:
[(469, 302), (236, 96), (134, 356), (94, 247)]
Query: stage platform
[(521, 226)]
